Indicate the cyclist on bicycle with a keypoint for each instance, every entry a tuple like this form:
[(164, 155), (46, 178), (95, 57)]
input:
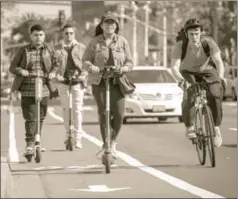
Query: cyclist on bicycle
[(191, 62)]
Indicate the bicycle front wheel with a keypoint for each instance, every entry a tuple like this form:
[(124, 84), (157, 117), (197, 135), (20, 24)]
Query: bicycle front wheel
[(200, 141), (210, 132)]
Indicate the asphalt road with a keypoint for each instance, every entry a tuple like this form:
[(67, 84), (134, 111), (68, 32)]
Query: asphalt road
[(155, 160)]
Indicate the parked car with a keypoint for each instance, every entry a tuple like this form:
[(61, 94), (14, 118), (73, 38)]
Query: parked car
[(231, 78), (157, 94)]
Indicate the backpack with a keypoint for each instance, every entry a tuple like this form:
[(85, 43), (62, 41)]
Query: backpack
[(182, 37)]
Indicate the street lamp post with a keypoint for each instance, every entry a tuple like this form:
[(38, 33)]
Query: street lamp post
[(165, 38), (146, 7), (122, 16), (134, 9)]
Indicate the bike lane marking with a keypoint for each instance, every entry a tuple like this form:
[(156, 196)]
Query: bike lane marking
[(154, 172)]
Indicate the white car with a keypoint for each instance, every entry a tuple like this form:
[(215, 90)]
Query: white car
[(157, 94)]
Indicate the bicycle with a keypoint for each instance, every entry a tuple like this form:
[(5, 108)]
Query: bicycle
[(38, 97), (204, 124)]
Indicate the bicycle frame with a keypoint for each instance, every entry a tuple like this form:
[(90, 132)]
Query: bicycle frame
[(205, 132)]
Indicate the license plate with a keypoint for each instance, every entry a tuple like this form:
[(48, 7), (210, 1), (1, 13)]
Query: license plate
[(158, 109)]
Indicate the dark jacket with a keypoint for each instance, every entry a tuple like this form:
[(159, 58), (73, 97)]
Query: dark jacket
[(77, 55), (21, 61)]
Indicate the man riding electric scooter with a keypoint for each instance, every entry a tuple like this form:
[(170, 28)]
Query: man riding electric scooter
[(34, 58)]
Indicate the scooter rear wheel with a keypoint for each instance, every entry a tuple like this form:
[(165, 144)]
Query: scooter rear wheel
[(69, 145), (38, 154), (28, 157)]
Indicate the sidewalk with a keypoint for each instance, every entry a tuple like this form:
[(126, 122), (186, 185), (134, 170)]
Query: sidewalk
[(6, 179)]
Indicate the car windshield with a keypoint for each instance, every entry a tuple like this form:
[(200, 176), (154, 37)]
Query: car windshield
[(151, 76)]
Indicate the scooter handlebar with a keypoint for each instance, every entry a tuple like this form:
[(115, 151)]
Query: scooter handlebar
[(37, 75)]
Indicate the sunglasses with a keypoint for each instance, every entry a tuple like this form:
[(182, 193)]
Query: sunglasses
[(69, 33)]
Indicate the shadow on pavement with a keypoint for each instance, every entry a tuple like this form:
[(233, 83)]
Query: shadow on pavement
[(96, 170), (148, 122), (230, 145), (84, 123)]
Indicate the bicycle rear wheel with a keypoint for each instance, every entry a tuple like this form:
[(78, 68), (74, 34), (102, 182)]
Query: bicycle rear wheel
[(210, 132), (200, 141)]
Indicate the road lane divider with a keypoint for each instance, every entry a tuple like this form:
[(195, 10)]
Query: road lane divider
[(176, 182)]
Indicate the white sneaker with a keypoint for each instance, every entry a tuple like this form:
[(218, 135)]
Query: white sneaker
[(78, 144), (217, 137), (114, 150), (190, 132)]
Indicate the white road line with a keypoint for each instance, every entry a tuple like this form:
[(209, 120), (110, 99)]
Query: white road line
[(12, 151), (154, 172), (233, 129)]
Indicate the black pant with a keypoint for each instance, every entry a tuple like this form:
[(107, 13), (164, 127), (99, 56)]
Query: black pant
[(214, 96), (28, 105), (117, 107)]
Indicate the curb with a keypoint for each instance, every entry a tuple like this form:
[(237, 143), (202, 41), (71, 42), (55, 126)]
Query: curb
[(6, 179)]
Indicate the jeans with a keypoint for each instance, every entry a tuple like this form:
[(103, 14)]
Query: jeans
[(28, 105), (117, 107), (77, 107), (214, 96)]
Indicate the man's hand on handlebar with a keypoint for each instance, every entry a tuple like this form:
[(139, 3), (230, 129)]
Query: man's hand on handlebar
[(52, 75), (25, 73), (183, 84), (59, 78)]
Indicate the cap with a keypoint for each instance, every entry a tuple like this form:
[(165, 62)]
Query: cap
[(110, 17)]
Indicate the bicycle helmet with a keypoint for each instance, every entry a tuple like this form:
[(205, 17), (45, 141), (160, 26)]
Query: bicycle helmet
[(192, 23)]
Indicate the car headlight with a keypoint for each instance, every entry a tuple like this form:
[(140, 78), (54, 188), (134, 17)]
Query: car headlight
[(135, 96)]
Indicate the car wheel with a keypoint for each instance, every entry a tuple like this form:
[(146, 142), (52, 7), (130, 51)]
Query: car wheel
[(234, 96), (180, 119), (162, 119), (125, 120)]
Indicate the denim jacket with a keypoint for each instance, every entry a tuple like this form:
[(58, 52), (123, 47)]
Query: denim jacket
[(97, 52), (77, 55)]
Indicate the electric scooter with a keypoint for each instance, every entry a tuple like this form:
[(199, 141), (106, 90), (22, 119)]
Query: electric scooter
[(38, 98), (69, 142), (107, 158)]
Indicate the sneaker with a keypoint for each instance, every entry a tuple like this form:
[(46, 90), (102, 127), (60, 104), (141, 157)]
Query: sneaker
[(43, 149), (114, 150), (190, 133), (217, 137), (29, 148), (78, 144)]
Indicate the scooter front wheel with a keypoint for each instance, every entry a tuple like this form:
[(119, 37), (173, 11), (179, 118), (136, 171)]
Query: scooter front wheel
[(107, 161), (38, 154)]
